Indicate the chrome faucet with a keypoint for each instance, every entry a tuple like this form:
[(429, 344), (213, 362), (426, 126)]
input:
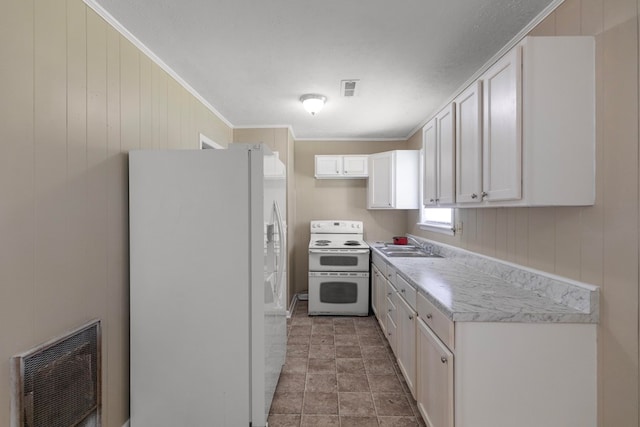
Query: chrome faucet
[(415, 242), (423, 246)]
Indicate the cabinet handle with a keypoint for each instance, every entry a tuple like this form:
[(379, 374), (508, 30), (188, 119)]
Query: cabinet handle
[(402, 290), (389, 333), (388, 294), (431, 200), (410, 317), (429, 316), (474, 196), (443, 359), (437, 200), (484, 194)]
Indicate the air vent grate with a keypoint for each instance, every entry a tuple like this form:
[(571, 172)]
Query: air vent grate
[(350, 88)]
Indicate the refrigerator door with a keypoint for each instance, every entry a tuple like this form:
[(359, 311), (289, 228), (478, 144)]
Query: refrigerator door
[(270, 318)]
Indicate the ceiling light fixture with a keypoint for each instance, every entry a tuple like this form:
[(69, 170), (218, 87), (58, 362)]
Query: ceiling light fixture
[(313, 102)]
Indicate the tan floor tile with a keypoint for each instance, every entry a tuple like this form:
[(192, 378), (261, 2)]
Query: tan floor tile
[(297, 350), (356, 404), (322, 339), (320, 421), (357, 422), (284, 420), (385, 383), (291, 383), (353, 382), (321, 382), (322, 365), (322, 351), (392, 404), (374, 352), (322, 329), (322, 320), (298, 339), (286, 403), (396, 422), (295, 365), (320, 403), (350, 366), (370, 340), (348, 352), (301, 320), (378, 366), (300, 330), (348, 339), (344, 329)]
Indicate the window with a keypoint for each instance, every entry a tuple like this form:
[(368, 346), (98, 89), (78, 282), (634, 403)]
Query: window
[(439, 220)]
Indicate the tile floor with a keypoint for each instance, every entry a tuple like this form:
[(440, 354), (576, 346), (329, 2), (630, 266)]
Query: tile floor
[(340, 372)]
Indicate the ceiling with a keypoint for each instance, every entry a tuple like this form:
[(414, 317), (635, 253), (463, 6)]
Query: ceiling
[(253, 59)]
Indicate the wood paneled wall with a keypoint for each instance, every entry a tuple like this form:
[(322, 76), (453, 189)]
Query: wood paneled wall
[(596, 244), (75, 98)]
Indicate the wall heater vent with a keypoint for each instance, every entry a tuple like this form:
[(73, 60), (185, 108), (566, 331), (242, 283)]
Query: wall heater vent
[(57, 384)]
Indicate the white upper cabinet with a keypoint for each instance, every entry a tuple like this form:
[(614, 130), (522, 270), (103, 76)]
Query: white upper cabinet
[(469, 144), (525, 130), (502, 145), (439, 159), (393, 180), (355, 166), (341, 166)]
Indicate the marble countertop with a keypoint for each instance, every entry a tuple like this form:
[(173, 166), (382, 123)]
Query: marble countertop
[(468, 294)]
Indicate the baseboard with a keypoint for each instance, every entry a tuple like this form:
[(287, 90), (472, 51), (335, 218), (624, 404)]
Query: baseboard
[(126, 424)]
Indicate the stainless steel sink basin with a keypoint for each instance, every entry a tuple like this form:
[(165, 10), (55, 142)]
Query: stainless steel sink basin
[(406, 251)]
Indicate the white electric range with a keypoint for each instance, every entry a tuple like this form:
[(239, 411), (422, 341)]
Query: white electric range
[(338, 269)]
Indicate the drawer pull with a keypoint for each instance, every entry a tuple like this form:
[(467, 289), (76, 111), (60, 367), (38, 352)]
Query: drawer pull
[(429, 316), (410, 317), (403, 290), (388, 294), (443, 359)]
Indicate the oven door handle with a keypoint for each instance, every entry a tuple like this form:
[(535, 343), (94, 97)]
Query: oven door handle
[(333, 251)]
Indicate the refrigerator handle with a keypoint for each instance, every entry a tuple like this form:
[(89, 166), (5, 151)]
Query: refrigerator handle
[(280, 260)]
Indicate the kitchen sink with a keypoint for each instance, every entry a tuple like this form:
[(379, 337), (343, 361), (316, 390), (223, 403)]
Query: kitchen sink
[(406, 251)]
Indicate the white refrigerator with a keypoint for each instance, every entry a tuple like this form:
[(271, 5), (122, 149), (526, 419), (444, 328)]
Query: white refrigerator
[(207, 285)]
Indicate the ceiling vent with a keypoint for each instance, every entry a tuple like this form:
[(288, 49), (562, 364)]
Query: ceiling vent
[(349, 88)]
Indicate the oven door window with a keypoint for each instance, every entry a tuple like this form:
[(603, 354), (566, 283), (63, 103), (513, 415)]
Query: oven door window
[(338, 292), (341, 260)]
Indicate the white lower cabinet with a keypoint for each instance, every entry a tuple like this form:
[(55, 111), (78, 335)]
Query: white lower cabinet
[(487, 374), (504, 374), (434, 393)]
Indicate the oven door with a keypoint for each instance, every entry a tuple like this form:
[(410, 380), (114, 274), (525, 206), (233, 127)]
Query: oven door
[(335, 293), (338, 259)]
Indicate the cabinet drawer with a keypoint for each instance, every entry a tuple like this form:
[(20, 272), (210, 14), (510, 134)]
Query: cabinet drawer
[(436, 320), (391, 275), (391, 307), (406, 291)]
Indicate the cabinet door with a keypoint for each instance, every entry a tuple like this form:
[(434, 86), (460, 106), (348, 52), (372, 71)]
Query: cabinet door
[(434, 379), (469, 145), (406, 342), (446, 136), (429, 145), (381, 298), (355, 165), (328, 166), (381, 180), (502, 142)]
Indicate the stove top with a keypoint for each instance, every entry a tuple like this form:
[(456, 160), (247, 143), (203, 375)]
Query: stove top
[(337, 242), (335, 234)]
